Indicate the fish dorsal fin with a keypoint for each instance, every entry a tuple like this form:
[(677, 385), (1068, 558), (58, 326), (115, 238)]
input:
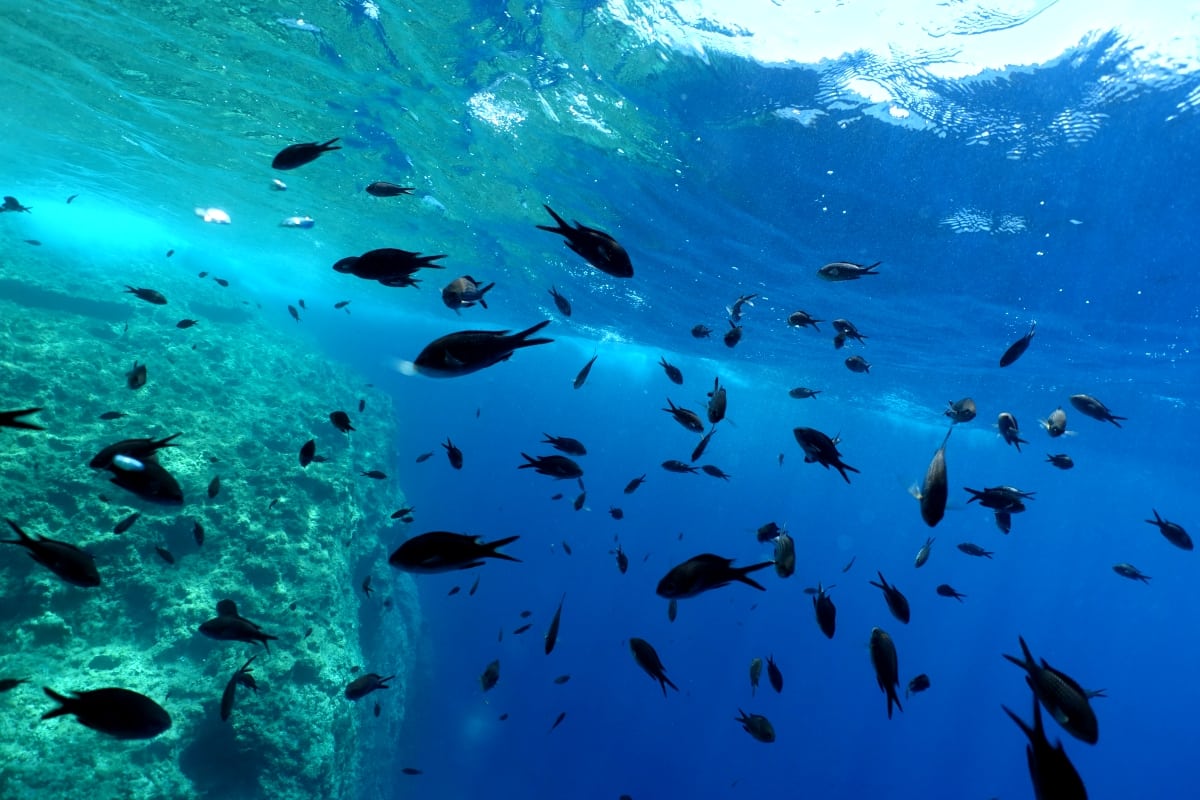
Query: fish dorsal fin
[(227, 608)]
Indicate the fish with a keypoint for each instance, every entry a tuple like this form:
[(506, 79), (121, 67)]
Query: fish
[(149, 295), (230, 694), (582, 377), (1018, 348), (390, 266), (1009, 430), (803, 393), (465, 352), (276, 184), (230, 626), (185, 323), (735, 311), (897, 603), (414, 770), (846, 271), (674, 465), (1091, 407), (341, 304), (846, 330), (111, 415), (136, 377), (596, 247), (13, 204), (490, 676), (717, 401), (973, 549), (565, 444), (297, 222), (923, 553), (715, 471), (673, 373), (557, 467), (774, 675), (616, 513), (341, 421), (566, 547), (385, 189), (785, 555), (363, 685), (214, 486), (769, 531), (802, 319), (1061, 695), (1060, 460), (633, 485), (580, 499), (858, 364), (11, 419), (474, 587), (622, 560), (120, 713), (552, 631), (561, 679), (1000, 498), (70, 563), (424, 457), (442, 551), (297, 155), (690, 420), (887, 669), (849, 564), (960, 410), (935, 489), (307, 451), (647, 658), (701, 331), (8, 684), (558, 720), (374, 474), (1056, 423), (198, 533), (560, 302), (756, 665), (703, 573), (295, 314), (672, 609), (1172, 532), (757, 726), (917, 685), (127, 523), (149, 480), (465, 292), (699, 449), (1053, 775), (946, 590), (1131, 572), (733, 335), (221, 282), (820, 449), (522, 629)]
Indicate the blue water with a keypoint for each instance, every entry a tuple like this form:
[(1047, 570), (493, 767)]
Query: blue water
[(1060, 192)]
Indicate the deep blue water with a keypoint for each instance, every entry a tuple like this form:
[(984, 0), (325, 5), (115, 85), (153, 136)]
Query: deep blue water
[(743, 201)]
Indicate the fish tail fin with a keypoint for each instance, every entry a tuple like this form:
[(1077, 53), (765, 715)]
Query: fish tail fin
[(665, 682), (329, 145), (427, 261), (521, 340), (490, 547), (741, 572), (562, 228), (1113, 419), (915, 491), (893, 697), (1028, 731), (869, 271), (65, 704), (23, 537), (8, 419)]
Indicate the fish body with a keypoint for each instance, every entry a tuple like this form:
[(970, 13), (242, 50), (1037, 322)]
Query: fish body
[(230, 626), (127, 523), (858, 364), (73, 565), (756, 667), (490, 676), (785, 555), (230, 694), (1000, 498), (557, 467), (453, 454), (701, 331), (1172, 532), (674, 375), (1009, 430), (647, 658), (733, 335), (700, 448), (385, 189), (847, 330), (363, 685), (622, 560), (887, 667), (960, 410), (136, 377), (1091, 407), (214, 486), (946, 590), (1053, 775), (149, 295), (633, 485), (184, 324), (582, 377), (596, 247), (560, 302), (769, 532), (141, 450), (690, 420), (341, 421), (552, 631), (803, 393), (802, 319), (465, 352), (1060, 460), (565, 444), (1004, 520), (675, 465), (846, 271), (13, 204), (152, 482), (757, 726), (198, 533), (715, 471), (465, 292), (703, 573), (442, 551), (935, 489), (897, 603), (297, 155), (297, 222), (1018, 348), (1056, 423), (972, 549), (717, 402), (1131, 572), (923, 553), (774, 675), (375, 474), (820, 449), (917, 685), (308, 451), (1061, 695), (120, 713), (390, 266)]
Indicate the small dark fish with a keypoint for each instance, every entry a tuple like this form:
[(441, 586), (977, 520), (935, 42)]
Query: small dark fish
[(887, 669), (221, 282), (72, 197), (198, 533), (846, 271), (33, 242), (616, 513), (647, 658), (385, 189), (465, 352), (295, 314), (1062, 696), (785, 555), (801, 319), (733, 335), (561, 679), (136, 377), (563, 304), (756, 665), (973, 549), (202, 275), (230, 626), (375, 474), (622, 560), (558, 720), (341, 304), (1009, 430), (474, 588), (307, 633), (453, 591), (412, 770), (825, 610), (165, 554), (960, 410), (701, 331), (1091, 407), (490, 676), (424, 457), (453, 454), (503, 717), (935, 490), (1056, 423), (366, 586), (170, 253), (897, 603), (673, 373), (700, 448), (362, 405), (185, 323), (552, 632), (774, 675), (110, 415), (127, 523), (149, 295), (849, 564), (717, 402), (1173, 532), (1000, 498), (465, 292), (632, 486), (363, 685), (1004, 521), (946, 590), (820, 449), (556, 496), (757, 726), (214, 486), (120, 713), (378, 708), (241, 676), (1052, 773), (857, 364), (703, 573), (923, 553), (1131, 572), (672, 609), (297, 155), (557, 467), (566, 547), (802, 393), (1061, 460), (917, 685), (526, 614), (565, 444), (442, 551), (735, 311), (8, 684), (690, 420), (1018, 348), (582, 377), (308, 451), (769, 531), (68, 562), (596, 247), (341, 421)]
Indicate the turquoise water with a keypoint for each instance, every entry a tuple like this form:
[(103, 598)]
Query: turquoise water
[(1005, 164)]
